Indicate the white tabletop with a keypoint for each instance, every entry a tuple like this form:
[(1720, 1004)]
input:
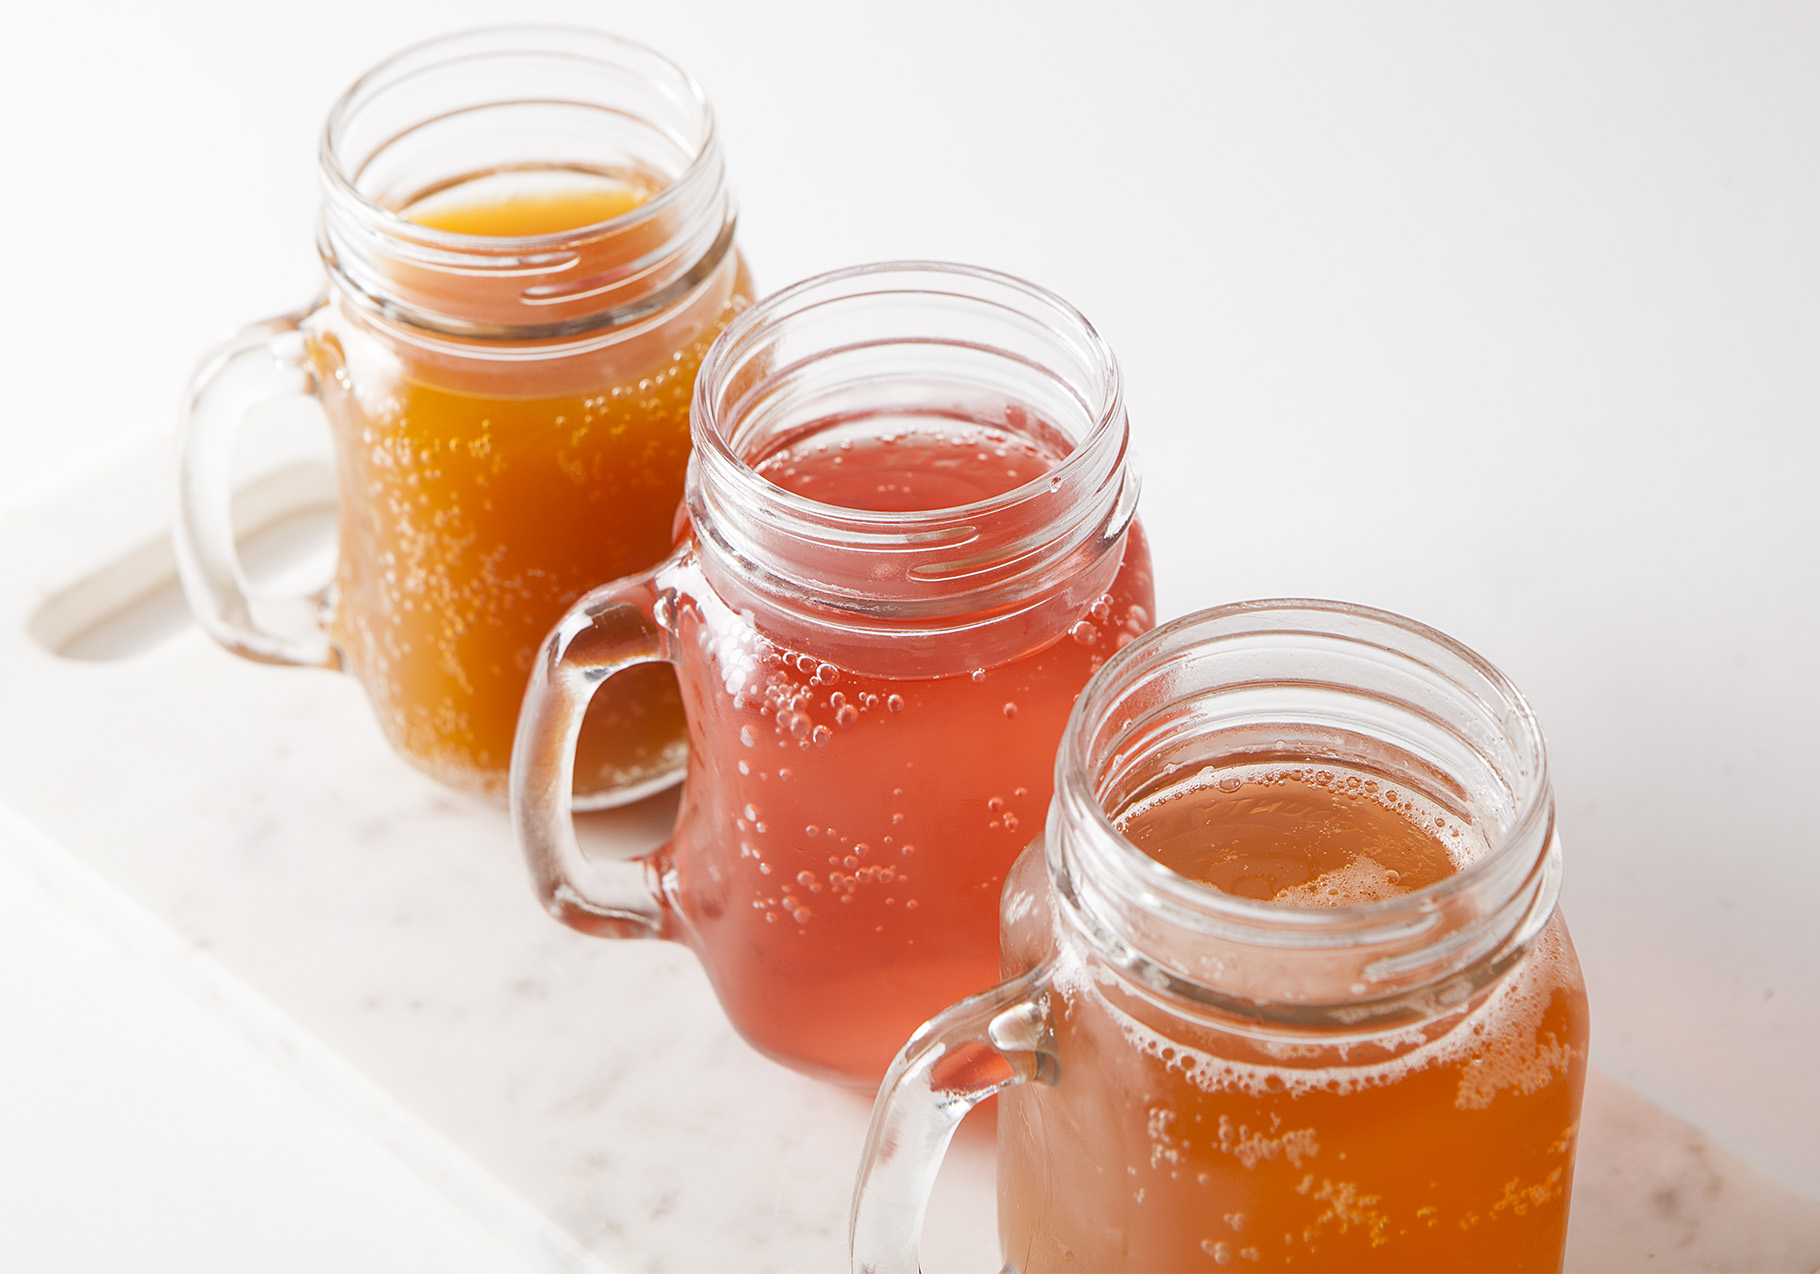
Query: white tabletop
[(1504, 319)]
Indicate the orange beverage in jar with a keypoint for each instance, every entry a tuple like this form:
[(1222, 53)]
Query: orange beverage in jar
[(1288, 987), (1449, 1147), (495, 495), (911, 541), (528, 238)]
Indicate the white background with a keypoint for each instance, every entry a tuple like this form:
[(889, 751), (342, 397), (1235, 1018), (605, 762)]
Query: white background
[(1507, 319)]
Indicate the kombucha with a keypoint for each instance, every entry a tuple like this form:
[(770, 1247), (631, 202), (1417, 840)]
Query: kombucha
[(493, 499), (1196, 1145), (518, 203), (842, 864)]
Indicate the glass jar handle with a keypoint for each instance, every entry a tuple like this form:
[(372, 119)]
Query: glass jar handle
[(265, 361), (963, 1055), (608, 630)]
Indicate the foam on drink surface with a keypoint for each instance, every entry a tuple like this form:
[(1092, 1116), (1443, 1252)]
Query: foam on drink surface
[(1321, 836), (1495, 1043), (1304, 836)]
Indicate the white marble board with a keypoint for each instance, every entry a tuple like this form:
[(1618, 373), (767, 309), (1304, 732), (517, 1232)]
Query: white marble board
[(246, 829)]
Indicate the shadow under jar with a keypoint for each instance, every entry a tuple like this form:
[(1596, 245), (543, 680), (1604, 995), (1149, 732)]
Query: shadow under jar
[(1288, 988), (528, 238), (910, 542)]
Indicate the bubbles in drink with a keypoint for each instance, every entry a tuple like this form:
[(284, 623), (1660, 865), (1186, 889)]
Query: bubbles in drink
[(937, 766), (922, 461), (1301, 1138)]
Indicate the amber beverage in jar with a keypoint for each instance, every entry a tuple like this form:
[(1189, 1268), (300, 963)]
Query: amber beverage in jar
[(528, 237), (1288, 985), (911, 541)]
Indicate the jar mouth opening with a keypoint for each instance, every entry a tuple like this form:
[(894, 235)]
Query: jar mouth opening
[(1083, 777), (734, 453), (1263, 619), (930, 526), (457, 242), (509, 41), (922, 354), (1336, 685), (560, 123)]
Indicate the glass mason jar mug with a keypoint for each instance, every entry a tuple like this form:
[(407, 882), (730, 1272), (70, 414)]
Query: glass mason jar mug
[(528, 237), (910, 541), (1287, 986)]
